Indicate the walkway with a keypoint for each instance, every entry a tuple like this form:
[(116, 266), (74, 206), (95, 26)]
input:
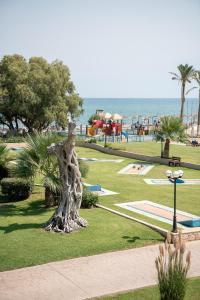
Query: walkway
[(88, 277)]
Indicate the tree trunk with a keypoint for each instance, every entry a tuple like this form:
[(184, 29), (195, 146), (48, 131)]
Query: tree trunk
[(198, 120), (50, 199), (16, 124), (66, 217), (166, 149), (182, 100)]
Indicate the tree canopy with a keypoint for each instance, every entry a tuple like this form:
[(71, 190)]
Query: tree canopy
[(171, 129), (36, 92)]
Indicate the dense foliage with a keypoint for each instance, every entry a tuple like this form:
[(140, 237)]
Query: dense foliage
[(35, 160), (89, 199), (4, 158), (16, 189), (171, 129), (36, 93)]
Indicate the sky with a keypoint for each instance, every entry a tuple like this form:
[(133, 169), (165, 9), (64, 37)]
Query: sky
[(114, 48)]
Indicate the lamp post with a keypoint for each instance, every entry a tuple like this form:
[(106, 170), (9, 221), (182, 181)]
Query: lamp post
[(174, 176)]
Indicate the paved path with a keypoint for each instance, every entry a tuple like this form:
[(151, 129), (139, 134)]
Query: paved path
[(88, 277)]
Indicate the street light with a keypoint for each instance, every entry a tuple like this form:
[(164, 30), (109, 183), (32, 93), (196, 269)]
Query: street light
[(174, 176)]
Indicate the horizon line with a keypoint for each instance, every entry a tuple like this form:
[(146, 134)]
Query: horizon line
[(118, 98)]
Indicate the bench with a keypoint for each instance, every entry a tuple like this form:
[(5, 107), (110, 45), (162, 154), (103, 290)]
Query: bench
[(174, 161)]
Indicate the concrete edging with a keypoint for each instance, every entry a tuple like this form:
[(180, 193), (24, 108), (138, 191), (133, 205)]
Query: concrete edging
[(122, 153), (160, 230)]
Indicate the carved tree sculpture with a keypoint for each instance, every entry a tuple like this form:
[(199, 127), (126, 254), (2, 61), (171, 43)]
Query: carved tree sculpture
[(66, 217)]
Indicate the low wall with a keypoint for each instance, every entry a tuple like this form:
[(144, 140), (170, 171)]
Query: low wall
[(154, 159)]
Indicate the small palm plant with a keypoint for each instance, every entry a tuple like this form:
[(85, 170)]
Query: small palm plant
[(171, 129), (184, 76), (35, 160), (172, 268)]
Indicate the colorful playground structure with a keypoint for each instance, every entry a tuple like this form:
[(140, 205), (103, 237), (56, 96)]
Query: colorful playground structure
[(110, 127), (107, 125)]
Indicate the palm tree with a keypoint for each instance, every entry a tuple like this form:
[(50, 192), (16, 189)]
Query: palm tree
[(185, 75), (35, 160), (171, 129), (196, 77)]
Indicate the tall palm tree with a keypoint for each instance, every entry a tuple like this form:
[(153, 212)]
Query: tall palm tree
[(171, 129), (184, 76), (35, 160), (196, 77)]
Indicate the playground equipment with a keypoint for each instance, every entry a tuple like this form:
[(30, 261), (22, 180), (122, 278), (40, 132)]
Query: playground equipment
[(109, 125)]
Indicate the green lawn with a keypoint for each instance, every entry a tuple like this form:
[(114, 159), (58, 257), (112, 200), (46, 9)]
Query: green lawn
[(24, 243), (152, 293), (133, 187), (187, 153)]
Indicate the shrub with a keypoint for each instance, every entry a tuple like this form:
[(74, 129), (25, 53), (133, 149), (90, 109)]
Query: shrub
[(16, 188), (3, 172), (93, 117), (88, 199), (92, 140), (84, 168), (172, 269)]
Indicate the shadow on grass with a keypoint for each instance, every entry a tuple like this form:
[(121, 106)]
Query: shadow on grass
[(133, 239), (15, 226), (3, 199), (32, 208)]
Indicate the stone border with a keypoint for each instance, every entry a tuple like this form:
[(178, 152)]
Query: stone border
[(122, 153), (187, 234)]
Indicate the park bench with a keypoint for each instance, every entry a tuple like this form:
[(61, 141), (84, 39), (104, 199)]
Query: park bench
[(174, 161)]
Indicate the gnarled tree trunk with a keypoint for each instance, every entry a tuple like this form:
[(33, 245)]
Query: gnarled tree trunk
[(66, 217)]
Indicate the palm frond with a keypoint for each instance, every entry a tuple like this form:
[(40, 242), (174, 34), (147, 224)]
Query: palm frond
[(36, 159), (194, 87), (4, 155), (52, 182), (173, 129)]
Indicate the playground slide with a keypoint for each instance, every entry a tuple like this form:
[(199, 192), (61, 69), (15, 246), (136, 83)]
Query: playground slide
[(125, 134)]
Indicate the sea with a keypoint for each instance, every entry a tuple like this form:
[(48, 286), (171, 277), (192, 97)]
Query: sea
[(134, 108)]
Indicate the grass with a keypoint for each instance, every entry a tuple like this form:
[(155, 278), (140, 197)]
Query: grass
[(187, 153), (133, 187), (149, 293), (24, 243)]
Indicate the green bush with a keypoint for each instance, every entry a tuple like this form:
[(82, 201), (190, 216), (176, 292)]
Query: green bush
[(3, 172), (16, 188), (84, 168), (88, 199), (92, 140)]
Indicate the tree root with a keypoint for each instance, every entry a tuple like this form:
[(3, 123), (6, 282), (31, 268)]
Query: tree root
[(56, 224)]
